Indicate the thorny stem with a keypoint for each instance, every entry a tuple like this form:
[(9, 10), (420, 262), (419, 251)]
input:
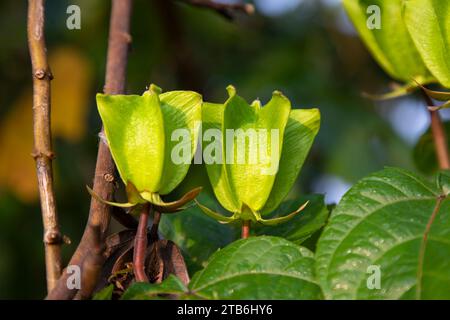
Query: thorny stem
[(140, 245), (439, 136), (245, 229), (92, 242), (43, 153)]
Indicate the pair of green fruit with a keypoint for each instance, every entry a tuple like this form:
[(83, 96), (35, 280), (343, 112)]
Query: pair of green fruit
[(139, 131)]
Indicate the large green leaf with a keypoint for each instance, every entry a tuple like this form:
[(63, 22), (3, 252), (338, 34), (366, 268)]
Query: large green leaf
[(181, 110), (393, 220), (303, 225), (104, 294), (135, 131), (258, 268), (391, 44), (199, 236), (253, 268), (428, 22), (302, 127), (147, 291)]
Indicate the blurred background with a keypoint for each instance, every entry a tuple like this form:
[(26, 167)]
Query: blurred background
[(308, 49)]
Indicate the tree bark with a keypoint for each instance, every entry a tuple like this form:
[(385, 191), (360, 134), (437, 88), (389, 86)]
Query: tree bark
[(42, 152), (92, 242)]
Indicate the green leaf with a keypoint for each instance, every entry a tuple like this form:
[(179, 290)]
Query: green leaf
[(393, 220), (197, 235), (301, 129), (105, 293), (135, 131), (444, 182), (391, 44), (424, 152), (180, 110), (428, 22), (301, 227), (258, 268), (147, 291)]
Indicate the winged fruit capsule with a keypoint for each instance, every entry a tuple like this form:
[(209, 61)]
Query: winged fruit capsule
[(139, 133), (258, 154)]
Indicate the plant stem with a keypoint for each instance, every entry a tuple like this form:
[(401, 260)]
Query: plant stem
[(140, 245), (245, 229), (99, 214), (155, 225), (439, 136), (42, 152)]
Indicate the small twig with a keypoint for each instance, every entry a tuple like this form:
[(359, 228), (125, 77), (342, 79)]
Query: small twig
[(245, 229), (43, 153), (439, 135), (225, 9), (140, 245), (99, 213)]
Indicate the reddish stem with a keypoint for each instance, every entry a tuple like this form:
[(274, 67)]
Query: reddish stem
[(140, 246), (439, 136), (245, 229)]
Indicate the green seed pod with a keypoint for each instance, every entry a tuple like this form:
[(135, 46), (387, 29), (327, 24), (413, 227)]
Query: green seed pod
[(139, 133), (277, 137)]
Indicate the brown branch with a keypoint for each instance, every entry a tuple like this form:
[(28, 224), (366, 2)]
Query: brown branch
[(439, 135), (140, 245), (43, 153), (100, 214), (225, 9)]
